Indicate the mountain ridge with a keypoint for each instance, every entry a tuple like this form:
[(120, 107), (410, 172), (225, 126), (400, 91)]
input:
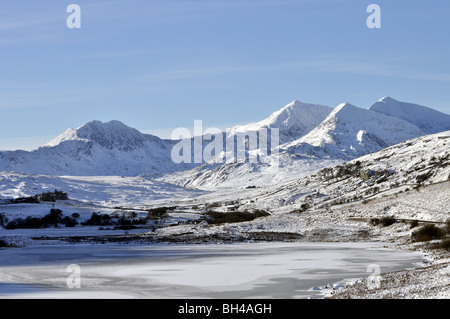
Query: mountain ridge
[(429, 120), (113, 148), (350, 131), (293, 120)]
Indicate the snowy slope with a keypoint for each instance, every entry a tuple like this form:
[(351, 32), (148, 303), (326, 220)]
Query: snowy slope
[(409, 180), (293, 120), (350, 131), (427, 119), (311, 137), (96, 148), (113, 148), (404, 166), (108, 191), (346, 133), (275, 171)]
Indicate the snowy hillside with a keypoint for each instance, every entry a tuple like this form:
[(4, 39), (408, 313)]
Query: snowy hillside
[(346, 133), (318, 189), (402, 167), (311, 137), (293, 120), (113, 148), (283, 168), (99, 190), (408, 181), (350, 131), (427, 119), (96, 148)]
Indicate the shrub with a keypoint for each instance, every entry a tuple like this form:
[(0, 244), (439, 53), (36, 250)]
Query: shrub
[(75, 215), (3, 220), (384, 221), (97, 219), (427, 232), (234, 217), (413, 224), (447, 226), (423, 177), (69, 221), (51, 219), (159, 212), (304, 207), (445, 244), (122, 222), (3, 244), (213, 205), (260, 213), (29, 200)]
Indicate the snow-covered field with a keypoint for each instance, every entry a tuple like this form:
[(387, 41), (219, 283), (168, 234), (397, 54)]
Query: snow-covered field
[(209, 270), (107, 191)]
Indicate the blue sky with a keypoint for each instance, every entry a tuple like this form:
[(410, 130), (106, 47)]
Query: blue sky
[(161, 64)]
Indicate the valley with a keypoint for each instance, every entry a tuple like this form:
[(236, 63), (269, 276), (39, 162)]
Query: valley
[(348, 175)]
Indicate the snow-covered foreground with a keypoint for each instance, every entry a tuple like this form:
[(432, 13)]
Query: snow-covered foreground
[(408, 182), (245, 270)]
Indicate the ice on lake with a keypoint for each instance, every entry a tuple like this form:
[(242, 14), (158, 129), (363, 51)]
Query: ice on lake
[(241, 270)]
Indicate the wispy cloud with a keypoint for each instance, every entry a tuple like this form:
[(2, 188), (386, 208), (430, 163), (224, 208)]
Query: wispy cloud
[(132, 13), (318, 65), (113, 54)]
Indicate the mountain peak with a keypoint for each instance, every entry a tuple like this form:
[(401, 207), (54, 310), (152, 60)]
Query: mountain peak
[(345, 105), (345, 111), (297, 103), (293, 103), (293, 120), (96, 125), (112, 134), (387, 99), (352, 131), (429, 120)]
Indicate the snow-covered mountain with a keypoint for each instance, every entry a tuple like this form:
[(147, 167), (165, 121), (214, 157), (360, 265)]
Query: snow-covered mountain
[(293, 120), (311, 137), (346, 133), (350, 131), (96, 148), (109, 135), (427, 119), (414, 163)]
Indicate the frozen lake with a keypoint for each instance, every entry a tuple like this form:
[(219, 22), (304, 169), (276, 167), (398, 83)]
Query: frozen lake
[(244, 270)]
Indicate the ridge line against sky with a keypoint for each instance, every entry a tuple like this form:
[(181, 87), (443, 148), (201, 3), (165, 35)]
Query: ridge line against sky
[(156, 65)]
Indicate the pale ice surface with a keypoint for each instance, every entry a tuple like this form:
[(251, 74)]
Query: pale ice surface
[(244, 270)]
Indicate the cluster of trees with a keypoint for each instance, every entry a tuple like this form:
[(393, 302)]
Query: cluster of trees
[(53, 219), (44, 197), (123, 222), (128, 220)]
